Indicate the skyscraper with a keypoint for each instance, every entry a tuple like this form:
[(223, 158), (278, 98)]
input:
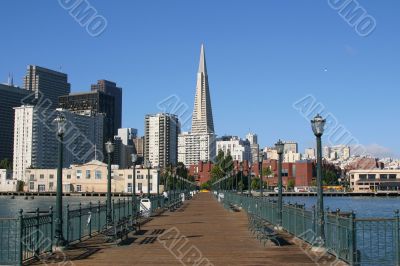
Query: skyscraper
[(10, 97), (90, 104), (199, 145), (202, 120), (110, 88), (161, 139), (47, 85)]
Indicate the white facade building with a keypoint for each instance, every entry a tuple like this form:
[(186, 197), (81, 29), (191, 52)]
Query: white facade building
[(92, 177), (309, 153), (161, 139), (7, 183), (255, 147), (239, 149), (36, 141)]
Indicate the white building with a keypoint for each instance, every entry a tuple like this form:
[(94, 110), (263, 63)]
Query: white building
[(36, 141), (338, 152), (374, 180), (239, 149), (309, 153), (127, 135), (7, 183), (193, 148), (291, 157), (290, 146), (272, 153), (161, 139), (92, 177)]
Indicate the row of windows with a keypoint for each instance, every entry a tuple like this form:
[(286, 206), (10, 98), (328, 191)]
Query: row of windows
[(42, 188), (381, 176), (97, 175)]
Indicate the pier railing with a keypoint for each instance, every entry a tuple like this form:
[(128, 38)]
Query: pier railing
[(369, 241), (31, 234)]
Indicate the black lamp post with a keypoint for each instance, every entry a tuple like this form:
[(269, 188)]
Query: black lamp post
[(241, 178), (158, 187), (134, 158), (109, 149), (249, 179), (147, 165), (60, 241), (261, 159), (279, 148), (318, 124)]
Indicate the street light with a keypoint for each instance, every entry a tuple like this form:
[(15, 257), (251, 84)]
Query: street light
[(261, 159), (158, 187), (279, 148), (60, 241), (317, 125), (241, 178), (134, 158), (249, 179), (147, 165), (109, 149)]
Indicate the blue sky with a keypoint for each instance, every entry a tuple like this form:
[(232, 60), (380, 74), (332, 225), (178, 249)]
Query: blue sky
[(262, 57)]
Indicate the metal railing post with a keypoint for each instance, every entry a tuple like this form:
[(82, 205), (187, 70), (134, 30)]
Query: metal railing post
[(80, 222), (20, 236), (67, 224), (397, 237), (98, 217), (90, 222), (51, 227), (37, 232), (353, 238)]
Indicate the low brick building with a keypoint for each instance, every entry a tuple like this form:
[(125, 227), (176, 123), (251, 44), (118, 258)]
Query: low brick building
[(201, 172)]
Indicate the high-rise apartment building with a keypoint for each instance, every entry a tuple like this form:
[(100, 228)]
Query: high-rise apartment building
[(36, 144), (199, 145), (290, 146), (47, 85), (124, 147), (255, 147), (161, 139), (110, 88), (10, 97)]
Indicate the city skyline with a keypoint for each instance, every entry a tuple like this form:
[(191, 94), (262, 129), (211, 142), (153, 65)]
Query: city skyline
[(265, 77)]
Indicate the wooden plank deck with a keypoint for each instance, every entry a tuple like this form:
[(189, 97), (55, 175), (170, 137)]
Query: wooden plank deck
[(204, 229)]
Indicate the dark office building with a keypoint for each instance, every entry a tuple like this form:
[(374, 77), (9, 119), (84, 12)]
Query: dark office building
[(47, 84), (111, 88), (90, 104), (10, 97)]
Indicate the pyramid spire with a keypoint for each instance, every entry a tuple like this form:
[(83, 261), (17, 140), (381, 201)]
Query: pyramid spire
[(202, 63), (202, 121)]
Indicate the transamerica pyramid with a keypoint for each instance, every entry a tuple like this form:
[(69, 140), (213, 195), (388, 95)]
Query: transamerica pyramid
[(202, 120)]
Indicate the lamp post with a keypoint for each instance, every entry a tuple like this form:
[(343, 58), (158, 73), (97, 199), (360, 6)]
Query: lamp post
[(279, 148), (317, 125), (109, 149), (134, 158), (147, 165), (249, 179), (241, 178), (60, 241), (261, 159), (158, 187)]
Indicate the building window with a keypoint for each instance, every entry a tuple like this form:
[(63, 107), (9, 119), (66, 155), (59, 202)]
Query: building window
[(383, 176), (51, 176), (392, 176), (151, 186), (41, 188), (31, 185), (41, 176), (98, 174), (129, 187), (78, 188), (129, 176), (87, 174), (363, 177), (68, 176), (51, 185), (140, 186), (32, 177), (78, 174), (371, 176)]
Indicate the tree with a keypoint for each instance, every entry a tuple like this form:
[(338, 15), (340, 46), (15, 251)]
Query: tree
[(255, 183), (329, 178), (5, 164), (291, 183), (182, 171), (206, 185)]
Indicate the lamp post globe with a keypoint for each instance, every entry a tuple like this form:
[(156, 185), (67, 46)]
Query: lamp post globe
[(318, 126), (279, 146), (61, 123), (109, 149)]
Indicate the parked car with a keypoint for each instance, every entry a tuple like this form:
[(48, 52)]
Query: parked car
[(276, 189)]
